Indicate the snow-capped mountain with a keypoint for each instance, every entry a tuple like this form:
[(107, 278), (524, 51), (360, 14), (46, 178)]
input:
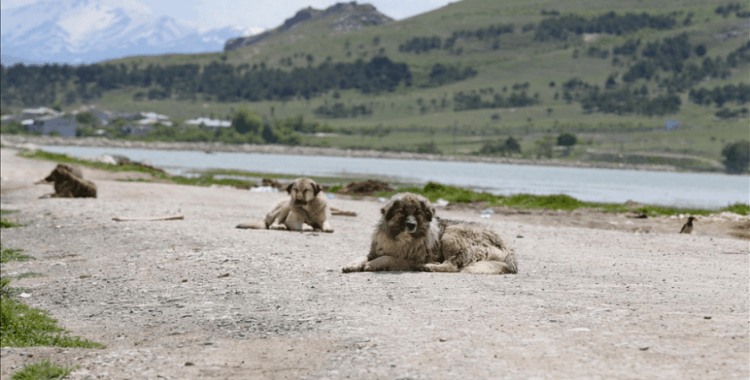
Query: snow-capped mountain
[(86, 31)]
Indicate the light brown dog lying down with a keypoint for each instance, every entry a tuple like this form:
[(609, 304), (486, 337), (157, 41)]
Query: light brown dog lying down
[(69, 183), (409, 238), (307, 205)]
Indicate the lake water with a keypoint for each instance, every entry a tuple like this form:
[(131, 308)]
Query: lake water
[(586, 184)]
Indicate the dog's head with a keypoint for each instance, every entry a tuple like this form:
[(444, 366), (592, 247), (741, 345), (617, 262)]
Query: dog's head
[(409, 213), (62, 172), (303, 190)]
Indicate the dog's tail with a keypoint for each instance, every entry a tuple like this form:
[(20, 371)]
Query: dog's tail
[(490, 267), (335, 211), (260, 225), (501, 261)]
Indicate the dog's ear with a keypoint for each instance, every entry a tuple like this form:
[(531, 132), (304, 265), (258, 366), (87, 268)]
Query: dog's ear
[(389, 209), (54, 175), (316, 187), (289, 187), (427, 209)]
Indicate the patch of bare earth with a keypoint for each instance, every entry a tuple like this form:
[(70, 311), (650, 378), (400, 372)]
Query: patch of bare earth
[(198, 298)]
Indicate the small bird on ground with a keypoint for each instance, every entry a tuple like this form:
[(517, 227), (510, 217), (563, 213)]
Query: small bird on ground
[(688, 227)]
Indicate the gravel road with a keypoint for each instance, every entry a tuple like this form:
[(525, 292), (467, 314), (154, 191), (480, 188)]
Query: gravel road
[(199, 299)]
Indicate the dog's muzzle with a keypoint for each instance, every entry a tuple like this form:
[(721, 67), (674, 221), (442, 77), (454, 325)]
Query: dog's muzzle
[(300, 202), (411, 223)]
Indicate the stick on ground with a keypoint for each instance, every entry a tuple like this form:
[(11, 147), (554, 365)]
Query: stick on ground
[(124, 219)]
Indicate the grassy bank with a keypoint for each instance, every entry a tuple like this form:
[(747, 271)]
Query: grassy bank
[(202, 178), (433, 191)]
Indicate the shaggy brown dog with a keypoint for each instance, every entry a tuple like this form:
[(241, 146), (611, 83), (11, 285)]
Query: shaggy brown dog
[(409, 238), (307, 205), (75, 170), (69, 185)]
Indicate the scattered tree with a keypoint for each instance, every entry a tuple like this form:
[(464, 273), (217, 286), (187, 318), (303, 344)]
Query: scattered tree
[(568, 140), (736, 157), (512, 145), (87, 118), (244, 121)]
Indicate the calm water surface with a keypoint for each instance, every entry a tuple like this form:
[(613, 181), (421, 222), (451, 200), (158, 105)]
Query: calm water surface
[(586, 184)]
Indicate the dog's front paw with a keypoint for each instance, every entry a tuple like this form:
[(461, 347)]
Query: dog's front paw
[(352, 268), (427, 267), (378, 268), (279, 227), (356, 265), (326, 227)]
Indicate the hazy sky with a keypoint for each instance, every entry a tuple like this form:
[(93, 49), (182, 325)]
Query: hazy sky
[(249, 15)]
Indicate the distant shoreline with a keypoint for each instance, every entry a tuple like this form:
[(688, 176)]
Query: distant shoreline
[(16, 140)]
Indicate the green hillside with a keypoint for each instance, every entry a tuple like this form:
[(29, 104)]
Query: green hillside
[(572, 80)]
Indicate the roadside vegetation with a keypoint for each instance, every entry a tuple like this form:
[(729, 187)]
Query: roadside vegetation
[(42, 370), (8, 255), (24, 326), (5, 223)]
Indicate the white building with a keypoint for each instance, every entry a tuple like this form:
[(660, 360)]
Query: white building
[(151, 118), (209, 123), (39, 112)]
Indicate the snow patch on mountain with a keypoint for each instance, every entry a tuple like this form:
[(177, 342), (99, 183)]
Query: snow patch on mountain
[(87, 31)]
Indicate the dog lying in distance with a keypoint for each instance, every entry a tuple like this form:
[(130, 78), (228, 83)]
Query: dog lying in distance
[(307, 205), (75, 170), (68, 184), (409, 237)]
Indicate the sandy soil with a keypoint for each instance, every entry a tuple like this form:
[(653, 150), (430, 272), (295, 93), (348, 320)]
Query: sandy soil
[(197, 298)]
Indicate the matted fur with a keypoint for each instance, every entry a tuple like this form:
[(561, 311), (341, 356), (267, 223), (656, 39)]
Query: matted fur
[(409, 238), (68, 184), (307, 206)]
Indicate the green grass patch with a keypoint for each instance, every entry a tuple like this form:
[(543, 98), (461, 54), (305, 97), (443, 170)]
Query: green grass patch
[(7, 255), (24, 326), (206, 178), (136, 180), (8, 212), (737, 208), (434, 191), (43, 370), (27, 275), (5, 223), (242, 173), (41, 155), (335, 188)]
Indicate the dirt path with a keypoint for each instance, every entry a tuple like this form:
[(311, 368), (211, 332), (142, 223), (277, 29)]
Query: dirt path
[(197, 298)]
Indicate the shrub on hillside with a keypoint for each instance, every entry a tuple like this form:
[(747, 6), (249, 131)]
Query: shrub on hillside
[(566, 139), (244, 121), (736, 157)]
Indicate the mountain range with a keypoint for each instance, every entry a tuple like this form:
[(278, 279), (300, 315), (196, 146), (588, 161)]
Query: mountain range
[(460, 79), (87, 31)]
